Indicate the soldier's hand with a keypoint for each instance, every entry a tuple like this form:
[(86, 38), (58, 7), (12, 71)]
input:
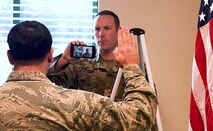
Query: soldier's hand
[(127, 52), (66, 55), (66, 58)]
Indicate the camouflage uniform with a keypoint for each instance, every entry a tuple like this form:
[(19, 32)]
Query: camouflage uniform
[(30, 101), (94, 76)]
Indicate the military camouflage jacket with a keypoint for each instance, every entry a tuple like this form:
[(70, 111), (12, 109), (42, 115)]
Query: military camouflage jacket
[(29, 101), (94, 76)]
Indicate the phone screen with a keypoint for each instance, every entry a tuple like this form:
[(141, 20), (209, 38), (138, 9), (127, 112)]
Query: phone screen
[(83, 51)]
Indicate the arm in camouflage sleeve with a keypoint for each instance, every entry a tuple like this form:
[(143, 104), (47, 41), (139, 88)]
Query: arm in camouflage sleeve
[(61, 71), (51, 68), (140, 97), (140, 102), (61, 61), (138, 110), (64, 77)]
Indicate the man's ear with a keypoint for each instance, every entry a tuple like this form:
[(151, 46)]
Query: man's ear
[(50, 55), (10, 57)]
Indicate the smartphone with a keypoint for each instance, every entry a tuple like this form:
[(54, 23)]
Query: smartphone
[(83, 51)]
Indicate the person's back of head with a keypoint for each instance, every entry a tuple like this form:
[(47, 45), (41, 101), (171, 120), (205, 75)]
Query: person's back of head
[(29, 41)]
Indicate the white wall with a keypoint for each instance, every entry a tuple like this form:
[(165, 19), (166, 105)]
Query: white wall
[(170, 27)]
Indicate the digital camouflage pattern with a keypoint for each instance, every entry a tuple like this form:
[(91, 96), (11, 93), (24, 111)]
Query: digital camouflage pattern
[(29, 101), (89, 75)]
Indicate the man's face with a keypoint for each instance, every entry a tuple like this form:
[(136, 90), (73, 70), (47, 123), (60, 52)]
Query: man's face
[(106, 33)]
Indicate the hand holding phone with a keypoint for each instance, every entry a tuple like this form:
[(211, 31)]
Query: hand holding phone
[(83, 51), (69, 56)]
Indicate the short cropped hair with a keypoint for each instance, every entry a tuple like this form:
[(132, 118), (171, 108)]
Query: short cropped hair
[(108, 12), (29, 40)]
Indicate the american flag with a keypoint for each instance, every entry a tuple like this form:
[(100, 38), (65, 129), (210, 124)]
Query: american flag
[(201, 113)]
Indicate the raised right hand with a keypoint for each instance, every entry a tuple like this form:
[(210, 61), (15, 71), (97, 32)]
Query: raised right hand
[(127, 52)]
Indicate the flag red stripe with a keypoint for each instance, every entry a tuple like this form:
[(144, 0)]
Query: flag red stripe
[(209, 54), (200, 57), (197, 105), (209, 115), (211, 32), (201, 114), (195, 116)]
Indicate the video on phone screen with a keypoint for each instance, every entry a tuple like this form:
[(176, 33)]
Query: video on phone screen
[(82, 51)]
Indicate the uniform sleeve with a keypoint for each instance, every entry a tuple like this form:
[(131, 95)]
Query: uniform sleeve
[(138, 109), (143, 95), (65, 77)]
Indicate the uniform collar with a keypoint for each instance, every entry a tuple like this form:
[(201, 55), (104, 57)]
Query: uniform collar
[(27, 76)]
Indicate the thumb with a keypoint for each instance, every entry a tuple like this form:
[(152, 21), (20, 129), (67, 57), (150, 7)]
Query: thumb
[(115, 52)]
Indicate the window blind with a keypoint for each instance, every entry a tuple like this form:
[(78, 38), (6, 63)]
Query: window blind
[(67, 20)]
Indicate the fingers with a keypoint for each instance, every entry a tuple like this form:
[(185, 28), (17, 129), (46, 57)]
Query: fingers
[(120, 38), (66, 54), (132, 40), (115, 52), (127, 51), (126, 38), (77, 42)]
